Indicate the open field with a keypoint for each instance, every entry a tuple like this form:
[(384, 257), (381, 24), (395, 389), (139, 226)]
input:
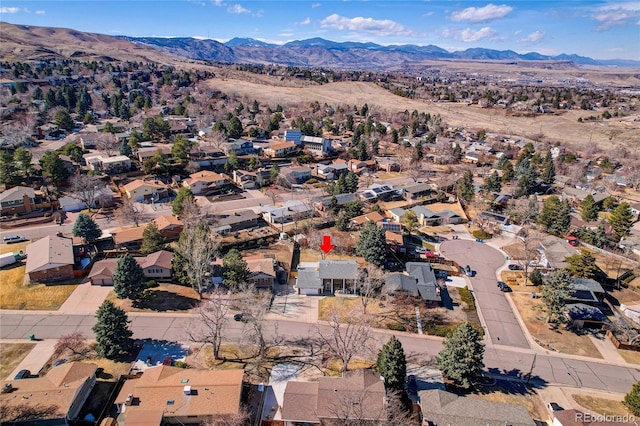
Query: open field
[(562, 128), (560, 340), (11, 354)]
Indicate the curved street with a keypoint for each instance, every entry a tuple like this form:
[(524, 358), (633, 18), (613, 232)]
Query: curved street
[(501, 323)]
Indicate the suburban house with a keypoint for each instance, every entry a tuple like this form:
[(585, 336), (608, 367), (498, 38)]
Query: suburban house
[(360, 166), (378, 192), (327, 277), (201, 183), (317, 146), (293, 135), (103, 197), (322, 204), (418, 190), (50, 259), (117, 164), (419, 280), (298, 174), (53, 399), (155, 266), (261, 271), (359, 394), (331, 171), (288, 212), (128, 237), (586, 290), (280, 149), (171, 395), (146, 152), (581, 315), (427, 217), (576, 196), (169, 226), (359, 221), (251, 180), (236, 221), (140, 190), (388, 164), (239, 146), (445, 408), (553, 252), (19, 199)]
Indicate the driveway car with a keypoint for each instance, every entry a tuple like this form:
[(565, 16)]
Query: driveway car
[(240, 317), (421, 250), (553, 406), (22, 374), (10, 239), (513, 267), (412, 384), (468, 271)]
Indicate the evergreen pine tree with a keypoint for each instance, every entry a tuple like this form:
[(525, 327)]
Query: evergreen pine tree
[(178, 203), (589, 208), (582, 265), (234, 270), (372, 244), (621, 220), (86, 228), (465, 189), (632, 399), (548, 174), (112, 331), (128, 278), (461, 358), (152, 239), (507, 172), (351, 182), (392, 364), (555, 292)]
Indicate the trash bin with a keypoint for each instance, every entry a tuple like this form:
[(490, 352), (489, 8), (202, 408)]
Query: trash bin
[(533, 295), (32, 336)]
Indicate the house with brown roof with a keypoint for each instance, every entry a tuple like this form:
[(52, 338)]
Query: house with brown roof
[(358, 396), (172, 395), (261, 271), (54, 399), (128, 237), (445, 408), (19, 199), (358, 221), (140, 190), (50, 259), (204, 181), (169, 226), (280, 149), (155, 266)]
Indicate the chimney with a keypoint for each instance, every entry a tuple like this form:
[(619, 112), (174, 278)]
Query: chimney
[(187, 390), (129, 399)]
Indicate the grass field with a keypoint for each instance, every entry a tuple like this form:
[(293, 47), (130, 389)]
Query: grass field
[(604, 406), (11, 354)]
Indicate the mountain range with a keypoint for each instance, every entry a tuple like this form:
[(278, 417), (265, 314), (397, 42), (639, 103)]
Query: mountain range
[(325, 53), (22, 42)]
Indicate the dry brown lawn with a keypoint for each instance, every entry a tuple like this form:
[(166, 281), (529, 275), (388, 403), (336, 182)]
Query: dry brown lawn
[(603, 406), (14, 248), (528, 401), (632, 357), (313, 255), (561, 340), (563, 127), (11, 354), (14, 294), (164, 298)]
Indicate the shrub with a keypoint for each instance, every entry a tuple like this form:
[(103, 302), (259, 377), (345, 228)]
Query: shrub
[(47, 214), (467, 297), (396, 327), (180, 364), (311, 181), (151, 284), (479, 233)]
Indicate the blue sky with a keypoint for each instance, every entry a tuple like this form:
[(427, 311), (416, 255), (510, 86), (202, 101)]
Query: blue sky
[(599, 29)]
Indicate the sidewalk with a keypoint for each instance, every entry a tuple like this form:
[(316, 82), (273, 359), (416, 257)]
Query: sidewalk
[(36, 359)]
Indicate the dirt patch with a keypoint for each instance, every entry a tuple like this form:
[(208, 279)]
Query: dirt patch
[(632, 357), (560, 340), (11, 354), (603, 406)]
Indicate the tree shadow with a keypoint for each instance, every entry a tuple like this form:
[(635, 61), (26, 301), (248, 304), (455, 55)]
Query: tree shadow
[(513, 381), (163, 301)]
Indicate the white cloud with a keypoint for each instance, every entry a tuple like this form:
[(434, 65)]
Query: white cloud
[(5, 9), (616, 14), (40, 12), (219, 3), (306, 21), (534, 37), (428, 14), (286, 34), (482, 14), (384, 27), (237, 9), (314, 5), (468, 35)]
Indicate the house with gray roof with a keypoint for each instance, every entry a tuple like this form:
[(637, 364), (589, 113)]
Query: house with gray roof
[(581, 315), (419, 280), (50, 259), (586, 290), (341, 199), (444, 408), (417, 190), (327, 277)]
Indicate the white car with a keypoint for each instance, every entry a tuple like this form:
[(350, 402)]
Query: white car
[(421, 250)]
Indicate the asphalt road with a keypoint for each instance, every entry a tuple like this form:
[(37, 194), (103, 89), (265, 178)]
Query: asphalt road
[(508, 363), (502, 326)]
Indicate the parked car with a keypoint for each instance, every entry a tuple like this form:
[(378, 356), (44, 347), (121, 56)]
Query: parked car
[(468, 271), (412, 384), (239, 317), (22, 374), (513, 267), (421, 250), (553, 406), (503, 286), (10, 239)]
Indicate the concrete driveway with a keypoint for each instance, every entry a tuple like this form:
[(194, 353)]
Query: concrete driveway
[(501, 323)]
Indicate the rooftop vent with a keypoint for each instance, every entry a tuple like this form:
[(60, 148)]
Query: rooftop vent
[(129, 399), (187, 390)]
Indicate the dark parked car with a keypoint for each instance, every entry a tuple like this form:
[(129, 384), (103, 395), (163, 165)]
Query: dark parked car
[(412, 384), (503, 286), (553, 406), (22, 374), (468, 271), (513, 267), (240, 317)]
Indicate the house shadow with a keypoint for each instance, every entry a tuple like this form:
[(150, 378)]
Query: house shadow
[(447, 301)]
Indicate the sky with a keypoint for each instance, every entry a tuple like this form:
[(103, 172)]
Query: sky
[(596, 28)]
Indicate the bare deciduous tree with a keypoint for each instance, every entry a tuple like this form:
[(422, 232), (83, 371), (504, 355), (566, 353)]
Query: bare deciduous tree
[(198, 248), (75, 342), (86, 189), (530, 242), (211, 325), (625, 332), (255, 305), (129, 212), (107, 143), (349, 338), (369, 285)]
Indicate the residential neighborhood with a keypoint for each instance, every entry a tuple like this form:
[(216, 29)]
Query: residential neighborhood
[(176, 255)]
